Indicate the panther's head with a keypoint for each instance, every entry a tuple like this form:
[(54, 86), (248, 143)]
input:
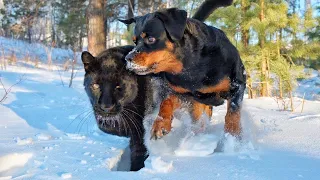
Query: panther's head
[(110, 87)]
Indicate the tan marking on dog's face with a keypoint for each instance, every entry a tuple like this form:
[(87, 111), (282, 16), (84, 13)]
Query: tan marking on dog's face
[(134, 38), (160, 61), (143, 35), (222, 86), (169, 45)]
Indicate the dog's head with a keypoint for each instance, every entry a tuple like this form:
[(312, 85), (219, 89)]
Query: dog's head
[(155, 35)]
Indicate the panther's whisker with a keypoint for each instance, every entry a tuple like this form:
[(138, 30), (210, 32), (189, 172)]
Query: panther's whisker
[(135, 106), (86, 111), (83, 121), (136, 127), (134, 120), (133, 112), (90, 118), (126, 124)]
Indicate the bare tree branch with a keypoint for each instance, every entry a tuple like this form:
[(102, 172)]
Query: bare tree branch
[(8, 90)]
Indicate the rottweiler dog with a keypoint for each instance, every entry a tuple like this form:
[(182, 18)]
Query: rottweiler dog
[(195, 59)]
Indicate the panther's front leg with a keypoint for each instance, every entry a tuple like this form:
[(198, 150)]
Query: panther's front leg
[(139, 154)]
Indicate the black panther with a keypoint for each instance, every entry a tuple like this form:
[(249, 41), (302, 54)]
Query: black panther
[(119, 98)]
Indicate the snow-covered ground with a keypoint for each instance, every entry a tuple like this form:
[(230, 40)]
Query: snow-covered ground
[(47, 131), (34, 50)]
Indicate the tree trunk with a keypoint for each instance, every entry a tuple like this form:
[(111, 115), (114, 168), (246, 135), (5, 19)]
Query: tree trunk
[(245, 42), (264, 66), (73, 64), (280, 88), (244, 32), (49, 55), (53, 31), (249, 84), (81, 35), (4, 63), (96, 27), (291, 101), (144, 7), (279, 56), (29, 32)]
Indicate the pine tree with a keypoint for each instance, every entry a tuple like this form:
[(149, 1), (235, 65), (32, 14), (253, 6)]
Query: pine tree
[(20, 15), (71, 23)]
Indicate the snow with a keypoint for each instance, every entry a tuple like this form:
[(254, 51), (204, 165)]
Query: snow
[(23, 49), (13, 160), (43, 137), (66, 175), (159, 166), (48, 132), (24, 141)]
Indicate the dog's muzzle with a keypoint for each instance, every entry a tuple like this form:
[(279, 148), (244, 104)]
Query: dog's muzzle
[(131, 55)]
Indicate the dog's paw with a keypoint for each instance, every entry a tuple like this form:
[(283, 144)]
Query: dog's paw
[(160, 128)]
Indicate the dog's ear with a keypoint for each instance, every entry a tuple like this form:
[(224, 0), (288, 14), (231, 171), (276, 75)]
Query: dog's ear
[(127, 21), (174, 21), (86, 58)]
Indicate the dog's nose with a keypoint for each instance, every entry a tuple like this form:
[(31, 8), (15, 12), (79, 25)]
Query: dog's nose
[(107, 107)]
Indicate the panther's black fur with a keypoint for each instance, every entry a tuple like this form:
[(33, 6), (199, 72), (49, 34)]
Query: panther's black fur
[(119, 98)]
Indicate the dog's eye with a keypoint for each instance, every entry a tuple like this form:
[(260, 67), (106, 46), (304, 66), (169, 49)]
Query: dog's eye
[(95, 86), (150, 40)]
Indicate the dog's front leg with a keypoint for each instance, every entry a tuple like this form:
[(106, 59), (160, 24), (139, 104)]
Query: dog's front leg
[(232, 118), (162, 125)]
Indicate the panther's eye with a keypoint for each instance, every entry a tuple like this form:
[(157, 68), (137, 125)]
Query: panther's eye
[(150, 40), (118, 88), (95, 86)]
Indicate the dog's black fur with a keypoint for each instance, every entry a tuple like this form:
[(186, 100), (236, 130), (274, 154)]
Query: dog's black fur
[(204, 51), (119, 98)]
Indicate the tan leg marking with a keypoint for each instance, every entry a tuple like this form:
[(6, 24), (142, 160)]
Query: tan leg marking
[(232, 122), (162, 125)]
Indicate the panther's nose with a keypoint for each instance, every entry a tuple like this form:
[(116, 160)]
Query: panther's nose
[(107, 107)]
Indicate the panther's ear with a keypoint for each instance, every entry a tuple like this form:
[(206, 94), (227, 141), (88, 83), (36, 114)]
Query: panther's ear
[(174, 21), (86, 58), (127, 21)]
